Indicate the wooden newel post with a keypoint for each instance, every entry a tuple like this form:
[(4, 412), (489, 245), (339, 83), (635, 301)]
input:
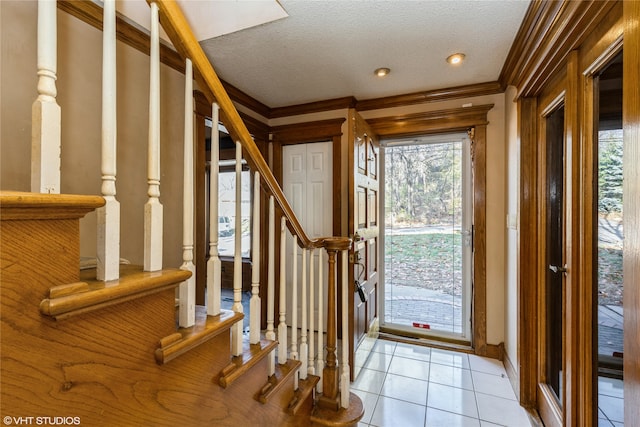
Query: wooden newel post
[(330, 375)]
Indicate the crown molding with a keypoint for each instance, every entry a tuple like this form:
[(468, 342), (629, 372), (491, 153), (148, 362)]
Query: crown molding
[(466, 91), (431, 122), (313, 107), (132, 35), (549, 31), (308, 131)]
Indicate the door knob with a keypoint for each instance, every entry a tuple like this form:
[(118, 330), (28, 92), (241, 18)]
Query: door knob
[(557, 269)]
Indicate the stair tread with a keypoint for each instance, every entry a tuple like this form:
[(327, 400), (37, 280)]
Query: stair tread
[(205, 328), (133, 283), (251, 355), (277, 380), (305, 389)]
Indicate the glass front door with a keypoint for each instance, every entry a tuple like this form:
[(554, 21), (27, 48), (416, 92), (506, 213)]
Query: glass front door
[(427, 236)]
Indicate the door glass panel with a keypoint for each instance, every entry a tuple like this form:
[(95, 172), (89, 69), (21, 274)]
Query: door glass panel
[(608, 256), (427, 236), (554, 295)]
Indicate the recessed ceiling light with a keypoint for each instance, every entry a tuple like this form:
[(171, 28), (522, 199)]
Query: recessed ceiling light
[(455, 59), (381, 72)]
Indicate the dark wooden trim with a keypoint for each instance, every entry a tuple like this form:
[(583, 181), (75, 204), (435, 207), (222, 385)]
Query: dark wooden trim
[(631, 188), (440, 121), (244, 99), (306, 132), (550, 30), (528, 260), (479, 308), (313, 107), (132, 35), (494, 351), (127, 32), (457, 92)]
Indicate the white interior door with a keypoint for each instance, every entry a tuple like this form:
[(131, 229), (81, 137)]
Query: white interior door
[(307, 179)]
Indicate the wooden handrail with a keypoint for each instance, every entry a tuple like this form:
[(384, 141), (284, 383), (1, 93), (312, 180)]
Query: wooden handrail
[(180, 34)]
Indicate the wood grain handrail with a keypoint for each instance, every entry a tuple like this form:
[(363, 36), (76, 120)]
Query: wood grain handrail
[(177, 28)]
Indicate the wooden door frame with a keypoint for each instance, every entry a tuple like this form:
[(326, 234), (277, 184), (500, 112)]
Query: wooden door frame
[(580, 67), (466, 119), (329, 130), (556, 97)]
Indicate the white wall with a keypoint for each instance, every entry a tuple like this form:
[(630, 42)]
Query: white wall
[(511, 247), (79, 95)]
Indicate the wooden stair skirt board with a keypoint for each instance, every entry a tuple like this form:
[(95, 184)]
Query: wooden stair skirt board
[(111, 354)]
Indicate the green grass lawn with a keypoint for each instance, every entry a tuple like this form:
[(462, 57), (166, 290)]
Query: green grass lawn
[(432, 261), (433, 247)]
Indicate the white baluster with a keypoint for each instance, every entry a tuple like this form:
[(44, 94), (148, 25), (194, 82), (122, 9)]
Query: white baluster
[(254, 303), (45, 111), (271, 286), (294, 303), (187, 315), (153, 208), (310, 364), (346, 374), (282, 326), (304, 346), (236, 330), (320, 361), (214, 266), (108, 216)]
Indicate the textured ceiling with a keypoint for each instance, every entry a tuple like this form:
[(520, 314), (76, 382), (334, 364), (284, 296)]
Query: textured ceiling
[(329, 49)]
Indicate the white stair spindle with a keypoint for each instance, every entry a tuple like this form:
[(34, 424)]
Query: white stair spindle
[(282, 326), (187, 315), (310, 365), (254, 303), (153, 208), (294, 302), (214, 266), (108, 216), (304, 346), (346, 375), (320, 361), (236, 329), (45, 112), (271, 286)]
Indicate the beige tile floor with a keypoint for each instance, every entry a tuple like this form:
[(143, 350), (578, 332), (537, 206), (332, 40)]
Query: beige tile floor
[(404, 385)]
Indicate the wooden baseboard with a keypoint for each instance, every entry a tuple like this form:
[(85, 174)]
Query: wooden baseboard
[(494, 351)]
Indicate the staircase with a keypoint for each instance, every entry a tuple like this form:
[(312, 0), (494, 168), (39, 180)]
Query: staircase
[(105, 347), (109, 353)]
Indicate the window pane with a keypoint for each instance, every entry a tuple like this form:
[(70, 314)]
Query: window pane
[(227, 226)]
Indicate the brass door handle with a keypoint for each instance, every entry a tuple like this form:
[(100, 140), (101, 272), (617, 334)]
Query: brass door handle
[(557, 269)]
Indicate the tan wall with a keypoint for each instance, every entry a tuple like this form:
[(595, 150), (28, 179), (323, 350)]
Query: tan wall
[(79, 95), (79, 62), (512, 237), (496, 187)]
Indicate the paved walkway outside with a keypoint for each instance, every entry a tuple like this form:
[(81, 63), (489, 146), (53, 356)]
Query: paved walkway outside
[(405, 305)]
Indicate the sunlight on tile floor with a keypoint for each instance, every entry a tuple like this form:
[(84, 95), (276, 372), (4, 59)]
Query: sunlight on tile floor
[(413, 386)]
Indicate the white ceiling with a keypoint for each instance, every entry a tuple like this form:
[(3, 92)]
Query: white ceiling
[(329, 49)]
